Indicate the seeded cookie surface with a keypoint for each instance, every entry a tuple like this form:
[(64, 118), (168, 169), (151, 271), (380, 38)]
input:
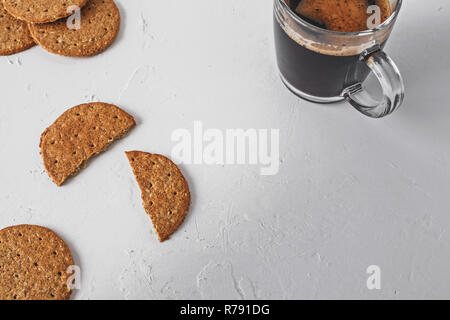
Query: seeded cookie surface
[(385, 9), (100, 23), (341, 16), (165, 192), (33, 264), (80, 133), (14, 34), (41, 11)]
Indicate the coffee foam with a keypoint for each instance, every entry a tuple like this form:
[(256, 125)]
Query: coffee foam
[(336, 44), (342, 49), (332, 43)]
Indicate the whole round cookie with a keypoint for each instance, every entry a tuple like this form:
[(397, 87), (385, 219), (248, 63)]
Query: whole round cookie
[(33, 264), (41, 11), (100, 22), (14, 34)]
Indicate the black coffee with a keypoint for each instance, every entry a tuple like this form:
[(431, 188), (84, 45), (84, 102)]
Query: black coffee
[(318, 73)]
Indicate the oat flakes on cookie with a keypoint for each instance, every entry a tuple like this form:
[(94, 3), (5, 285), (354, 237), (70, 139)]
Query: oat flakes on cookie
[(165, 192), (80, 133), (41, 11), (33, 264), (100, 23), (14, 34)]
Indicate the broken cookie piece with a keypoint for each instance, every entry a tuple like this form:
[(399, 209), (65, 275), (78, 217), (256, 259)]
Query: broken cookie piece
[(80, 133), (165, 192)]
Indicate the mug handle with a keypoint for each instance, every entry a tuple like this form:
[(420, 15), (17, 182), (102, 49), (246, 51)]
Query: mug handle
[(391, 82)]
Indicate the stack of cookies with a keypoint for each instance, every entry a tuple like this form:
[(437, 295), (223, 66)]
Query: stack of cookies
[(74, 28)]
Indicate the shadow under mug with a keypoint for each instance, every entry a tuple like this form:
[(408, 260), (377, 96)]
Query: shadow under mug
[(326, 66)]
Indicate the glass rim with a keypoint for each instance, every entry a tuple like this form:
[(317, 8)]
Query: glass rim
[(382, 26)]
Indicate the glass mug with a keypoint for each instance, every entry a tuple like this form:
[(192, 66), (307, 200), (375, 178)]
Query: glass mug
[(326, 66)]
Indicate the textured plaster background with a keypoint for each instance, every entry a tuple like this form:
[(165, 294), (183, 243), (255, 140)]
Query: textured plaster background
[(351, 191)]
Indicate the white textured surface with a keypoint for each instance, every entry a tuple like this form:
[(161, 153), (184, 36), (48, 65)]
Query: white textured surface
[(351, 191)]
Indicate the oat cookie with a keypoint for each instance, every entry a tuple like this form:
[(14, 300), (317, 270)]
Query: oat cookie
[(14, 34), (100, 22), (341, 16), (165, 192), (385, 8), (41, 11), (80, 133), (33, 264)]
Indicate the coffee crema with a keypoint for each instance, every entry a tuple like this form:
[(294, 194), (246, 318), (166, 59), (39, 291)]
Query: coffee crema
[(341, 15)]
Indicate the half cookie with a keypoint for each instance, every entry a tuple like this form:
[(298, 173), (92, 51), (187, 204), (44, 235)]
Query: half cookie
[(80, 133), (165, 192), (41, 11), (99, 25), (14, 34), (33, 264)]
